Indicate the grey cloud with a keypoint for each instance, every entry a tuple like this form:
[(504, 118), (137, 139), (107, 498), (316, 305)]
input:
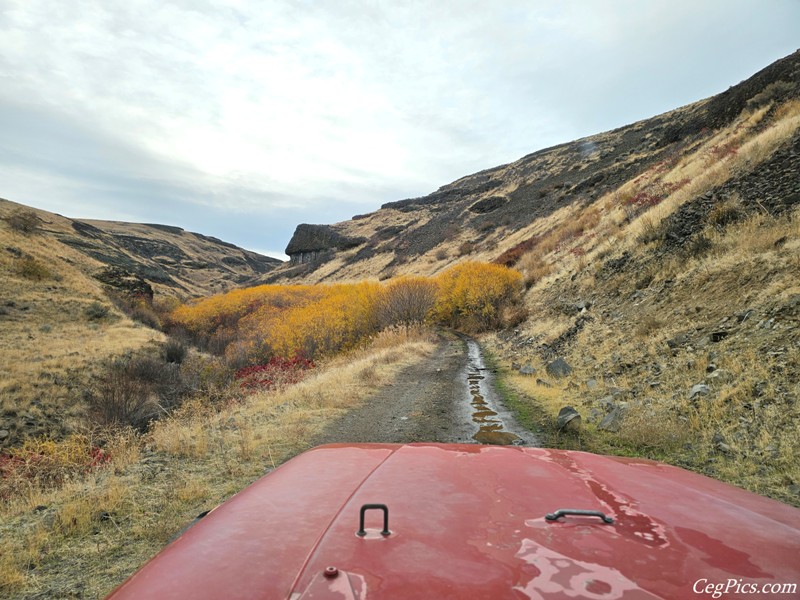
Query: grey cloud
[(241, 121)]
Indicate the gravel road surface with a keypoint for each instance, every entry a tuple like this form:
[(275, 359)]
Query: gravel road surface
[(448, 397)]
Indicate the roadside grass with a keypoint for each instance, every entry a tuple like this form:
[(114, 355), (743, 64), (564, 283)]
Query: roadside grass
[(528, 414), (87, 536), (746, 428)]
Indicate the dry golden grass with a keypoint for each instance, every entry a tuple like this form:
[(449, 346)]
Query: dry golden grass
[(533, 268), (705, 171), (114, 519), (649, 430), (736, 434), (747, 430), (49, 346), (575, 239)]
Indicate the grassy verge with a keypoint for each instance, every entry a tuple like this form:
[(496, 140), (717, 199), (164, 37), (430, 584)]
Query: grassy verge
[(640, 438), (527, 413), (693, 435), (85, 537)]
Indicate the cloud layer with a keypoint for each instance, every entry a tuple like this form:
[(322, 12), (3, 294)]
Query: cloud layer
[(241, 119)]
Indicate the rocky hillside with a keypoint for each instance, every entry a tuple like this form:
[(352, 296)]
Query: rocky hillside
[(661, 264), (58, 325), (167, 258), (488, 213)]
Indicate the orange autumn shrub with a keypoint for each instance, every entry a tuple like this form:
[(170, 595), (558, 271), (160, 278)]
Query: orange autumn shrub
[(472, 296), (406, 301), (253, 325), (204, 317), (340, 320)]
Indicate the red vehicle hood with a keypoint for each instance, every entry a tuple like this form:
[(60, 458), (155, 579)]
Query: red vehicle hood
[(468, 521)]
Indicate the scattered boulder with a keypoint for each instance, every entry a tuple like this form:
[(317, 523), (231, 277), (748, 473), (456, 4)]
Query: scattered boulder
[(718, 336), (720, 376), (583, 305), (607, 403), (613, 420), (488, 205), (558, 368), (719, 443), (527, 370), (543, 383), (568, 419), (4, 433), (701, 389), (591, 384), (724, 448), (678, 341)]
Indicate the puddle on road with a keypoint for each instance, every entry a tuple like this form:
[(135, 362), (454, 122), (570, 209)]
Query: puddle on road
[(491, 429)]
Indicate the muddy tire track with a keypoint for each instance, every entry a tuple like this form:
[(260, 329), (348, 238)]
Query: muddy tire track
[(433, 401), (495, 423)]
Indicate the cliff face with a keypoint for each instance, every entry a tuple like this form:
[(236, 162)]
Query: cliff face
[(312, 243)]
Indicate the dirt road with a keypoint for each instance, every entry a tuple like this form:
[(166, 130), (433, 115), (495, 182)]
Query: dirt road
[(448, 397)]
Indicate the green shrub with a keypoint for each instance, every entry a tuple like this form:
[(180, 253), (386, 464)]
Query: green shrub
[(95, 311), (30, 268), (23, 221)]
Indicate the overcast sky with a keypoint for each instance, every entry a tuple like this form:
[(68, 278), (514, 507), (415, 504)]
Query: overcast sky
[(242, 119)]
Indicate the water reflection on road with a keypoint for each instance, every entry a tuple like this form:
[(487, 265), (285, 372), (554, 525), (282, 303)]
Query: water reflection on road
[(495, 424)]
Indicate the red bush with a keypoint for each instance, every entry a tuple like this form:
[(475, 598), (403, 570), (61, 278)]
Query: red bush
[(278, 371), (511, 256), (49, 463)]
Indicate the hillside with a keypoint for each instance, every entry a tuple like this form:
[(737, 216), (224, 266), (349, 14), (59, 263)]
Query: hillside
[(661, 263), (171, 260), (58, 324), (483, 215)]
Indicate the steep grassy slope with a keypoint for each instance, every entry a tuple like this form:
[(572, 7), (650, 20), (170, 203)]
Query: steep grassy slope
[(661, 261), (58, 325), (682, 324), (483, 215)]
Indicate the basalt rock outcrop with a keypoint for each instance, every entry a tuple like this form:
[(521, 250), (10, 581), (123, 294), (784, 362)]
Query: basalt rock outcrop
[(311, 243)]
